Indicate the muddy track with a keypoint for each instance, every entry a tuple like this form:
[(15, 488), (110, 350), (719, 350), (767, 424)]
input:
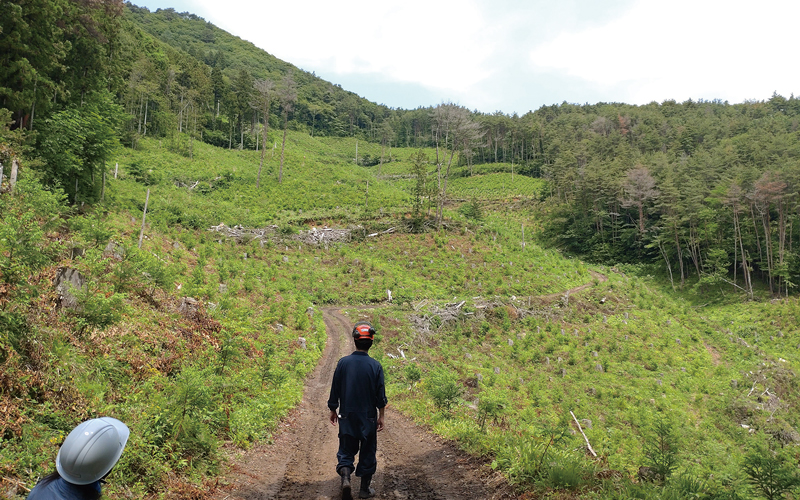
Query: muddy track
[(412, 464)]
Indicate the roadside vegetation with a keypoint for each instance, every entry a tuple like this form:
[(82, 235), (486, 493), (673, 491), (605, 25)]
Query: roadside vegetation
[(598, 300)]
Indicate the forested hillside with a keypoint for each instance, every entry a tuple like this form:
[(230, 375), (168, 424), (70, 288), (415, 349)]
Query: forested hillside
[(634, 265), (624, 179)]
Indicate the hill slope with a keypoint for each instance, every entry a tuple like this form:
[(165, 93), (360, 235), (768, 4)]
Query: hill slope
[(198, 325), (472, 309)]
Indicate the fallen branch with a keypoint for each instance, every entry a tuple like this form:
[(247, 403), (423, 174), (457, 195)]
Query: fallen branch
[(390, 230), (16, 483), (588, 445)]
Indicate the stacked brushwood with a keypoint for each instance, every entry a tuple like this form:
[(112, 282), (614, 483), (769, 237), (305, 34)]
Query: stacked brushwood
[(313, 236), (245, 235), (520, 310), (430, 322), (323, 236), (181, 184)]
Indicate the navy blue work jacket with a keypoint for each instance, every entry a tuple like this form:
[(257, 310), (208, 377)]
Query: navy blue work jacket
[(60, 489), (357, 386)]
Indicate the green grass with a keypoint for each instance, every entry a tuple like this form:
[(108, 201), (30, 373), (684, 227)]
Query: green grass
[(659, 356), (620, 353), (496, 186)]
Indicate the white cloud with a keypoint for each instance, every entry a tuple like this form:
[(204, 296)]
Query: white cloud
[(441, 44), (517, 55), (682, 49)]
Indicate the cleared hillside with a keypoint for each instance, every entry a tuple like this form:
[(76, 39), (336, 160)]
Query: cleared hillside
[(472, 309)]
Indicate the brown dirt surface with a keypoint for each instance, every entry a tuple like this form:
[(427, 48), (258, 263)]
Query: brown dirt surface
[(301, 464)]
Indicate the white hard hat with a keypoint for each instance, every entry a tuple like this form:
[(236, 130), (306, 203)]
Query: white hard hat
[(91, 450)]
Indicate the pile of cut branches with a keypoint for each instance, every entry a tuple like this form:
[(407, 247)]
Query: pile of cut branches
[(245, 235)]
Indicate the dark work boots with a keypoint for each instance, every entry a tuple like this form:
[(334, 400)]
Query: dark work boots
[(366, 491), (345, 473)]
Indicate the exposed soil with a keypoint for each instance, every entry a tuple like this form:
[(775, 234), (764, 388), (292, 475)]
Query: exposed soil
[(601, 278), (301, 464)]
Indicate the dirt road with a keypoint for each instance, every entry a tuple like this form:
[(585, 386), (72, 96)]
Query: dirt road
[(412, 464)]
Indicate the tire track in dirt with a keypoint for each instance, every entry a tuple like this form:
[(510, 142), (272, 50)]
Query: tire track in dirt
[(412, 464), (601, 278)]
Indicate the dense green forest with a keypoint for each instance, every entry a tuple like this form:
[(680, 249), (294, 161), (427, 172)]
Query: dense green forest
[(682, 218), (624, 181)]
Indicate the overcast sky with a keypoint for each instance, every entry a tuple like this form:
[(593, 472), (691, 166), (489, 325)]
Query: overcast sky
[(518, 55)]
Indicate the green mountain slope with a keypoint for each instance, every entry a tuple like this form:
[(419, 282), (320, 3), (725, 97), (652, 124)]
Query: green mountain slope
[(197, 325), (520, 352)]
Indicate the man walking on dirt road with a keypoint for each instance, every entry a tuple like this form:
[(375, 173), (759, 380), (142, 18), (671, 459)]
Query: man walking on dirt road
[(359, 393)]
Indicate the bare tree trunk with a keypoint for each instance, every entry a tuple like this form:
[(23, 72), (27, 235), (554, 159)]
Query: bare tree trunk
[(768, 248), (141, 103), (444, 186), (735, 255), (763, 213), (755, 226), (383, 150), (191, 136), (33, 106), (781, 240), (263, 152), (12, 180), (283, 147), (694, 250), (666, 259), (144, 216), (745, 269), (264, 88), (230, 133), (680, 255)]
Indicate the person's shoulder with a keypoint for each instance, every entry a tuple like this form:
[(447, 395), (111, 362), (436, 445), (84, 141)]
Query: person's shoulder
[(347, 359), (49, 490)]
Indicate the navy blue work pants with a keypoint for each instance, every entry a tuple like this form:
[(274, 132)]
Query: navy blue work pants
[(358, 432)]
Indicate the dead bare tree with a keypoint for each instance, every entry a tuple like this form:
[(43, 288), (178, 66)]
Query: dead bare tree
[(287, 96), (265, 89), (386, 137), (453, 129), (733, 199), (770, 191), (639, 187)]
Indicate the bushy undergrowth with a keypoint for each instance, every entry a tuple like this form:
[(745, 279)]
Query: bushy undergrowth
[(673, 391), (673, 401), (185, 376)]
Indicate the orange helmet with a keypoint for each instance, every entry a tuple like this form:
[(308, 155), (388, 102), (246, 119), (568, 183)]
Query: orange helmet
[(363, 330)]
